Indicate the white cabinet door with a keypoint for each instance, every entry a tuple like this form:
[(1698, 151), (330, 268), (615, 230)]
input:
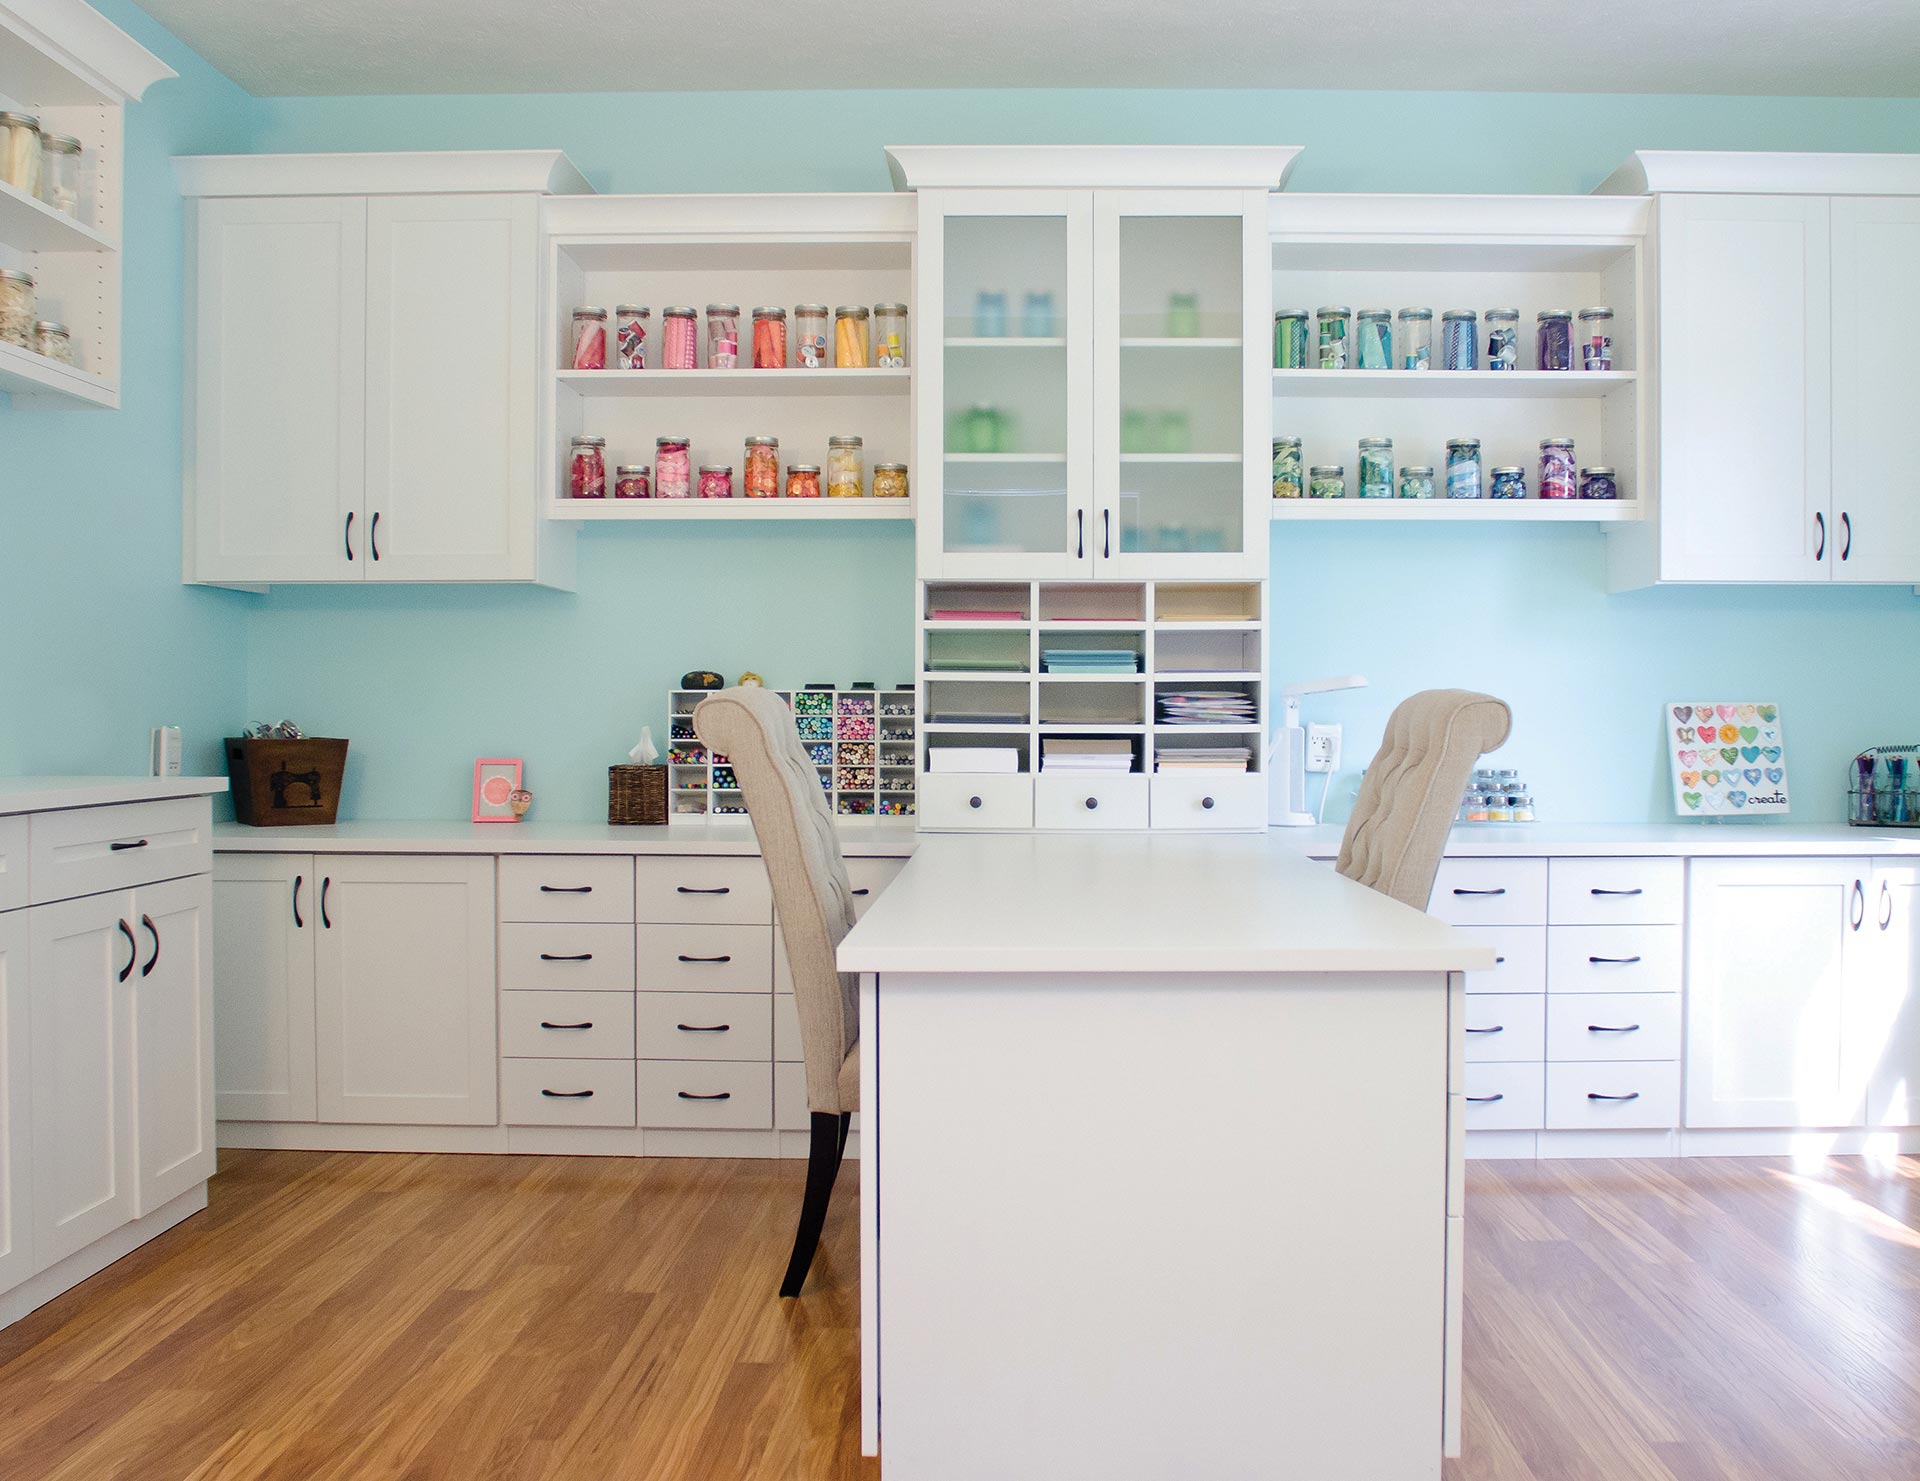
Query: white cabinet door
[(1883, 1022), (84, 953), (404, 990), (16, 1146), (274, 458), (173, 1038), (1876, 387), (264, 925), (451, 325), (1745, 395), (1771, 944)]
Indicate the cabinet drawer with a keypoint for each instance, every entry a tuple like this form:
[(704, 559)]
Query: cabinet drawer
[(705, 1093), (1490, 892), (703, 891), (703, 958), (1090, 802), (88, 850), (1520, 959), (1613, 1025), (590, 958), (566, 1092), (966, 802), (869, 877), (566, 1025), (1613, 959), (1230, 800), (1506, 1026), (786, 1029), (13, 863), (704, 1025), (566, 887), (1625, 1096), (1505, 1097), (1614, 892)]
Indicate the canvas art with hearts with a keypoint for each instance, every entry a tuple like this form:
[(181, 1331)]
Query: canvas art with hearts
[(1729, 760)]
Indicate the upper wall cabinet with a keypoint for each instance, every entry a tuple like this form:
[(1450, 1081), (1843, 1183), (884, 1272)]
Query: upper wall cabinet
[(362, 346), (1090, 403), (1785, 288)]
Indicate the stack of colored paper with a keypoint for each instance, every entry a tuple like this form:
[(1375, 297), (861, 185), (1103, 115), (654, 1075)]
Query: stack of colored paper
[(1085, 754), (1203, 758), (1206, 707), (1090, 660)]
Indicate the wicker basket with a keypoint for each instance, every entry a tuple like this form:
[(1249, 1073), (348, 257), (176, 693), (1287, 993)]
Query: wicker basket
[(637, 794)]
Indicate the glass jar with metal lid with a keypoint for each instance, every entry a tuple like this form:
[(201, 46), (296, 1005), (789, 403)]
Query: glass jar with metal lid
[(890, 336), (60, 172), (1416, 339), (1376, 467), (803, 480), (1286, 468), (20, 152), (1503, 339), (762, 478), (846, 468), (810, 335), (1459, 340), (1289, 339), (679, 345), (1327, 481), (589, 339), (1463, 467), (889, 480), (630, 335), (1559, 474), (1596, 339), (16, 307), (770, 339), (1598, 483), (851, 348), (53, 340), (716, 480), (633, 481), (672, 467), (1334, 320), (1416, 481), (1373, 328), (587, 468), (723, 336), (1555, 333), (1506, 483)]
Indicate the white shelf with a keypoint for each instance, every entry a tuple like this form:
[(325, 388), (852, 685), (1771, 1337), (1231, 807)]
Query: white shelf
[(1122, 678), (1549, 385), (823, 382), (1205, 676), (24, 373), (1176, 459), (1206, 624), (995, 727), (983, 625), (1091, 727), (641, 510), (1007, 342), (1180, 342), (1006, 457), (976, 676), (1546, 511), (33, 226)]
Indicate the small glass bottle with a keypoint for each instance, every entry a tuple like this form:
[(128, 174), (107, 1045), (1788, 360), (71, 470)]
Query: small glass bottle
[(1555, 336), (1596, 339), (1522, 807), (60, 172), (990, 314), (1036, 315), (716, 480), (630, 335), (589, 339), (680, 340), (1598, 483), (851, 350), (1334, 320), (1559, 473), (803, 481), (1463, 467), (16, 308), (889, 480), (770, 339), (1183, 315), (1374, 330), (723, 336), (846, 468), (1327, 481), (1286, 468), (890, 336), (1459, 340), (1416, 339), (672, 468), (1416, 481), (810, 335), (632, 481), (1503, 339), (587, 468), (761, 480), (1476, 807), (20, 152), (1506, 482), (1376, 467), (1290, 339), (53, 340)]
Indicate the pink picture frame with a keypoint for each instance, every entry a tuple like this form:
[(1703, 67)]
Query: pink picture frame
[(495, 780)]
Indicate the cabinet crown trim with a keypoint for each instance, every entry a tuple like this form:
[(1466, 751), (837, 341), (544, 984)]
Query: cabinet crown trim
[(426, 172), (1762, 172), (1091, 166)]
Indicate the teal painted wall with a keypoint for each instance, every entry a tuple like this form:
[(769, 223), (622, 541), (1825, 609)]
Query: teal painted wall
[(101, 639)]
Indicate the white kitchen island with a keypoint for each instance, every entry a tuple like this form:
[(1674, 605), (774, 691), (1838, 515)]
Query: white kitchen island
[(1168, 1172)]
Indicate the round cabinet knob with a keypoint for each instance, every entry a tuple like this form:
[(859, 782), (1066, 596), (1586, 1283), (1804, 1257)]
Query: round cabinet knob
[(973, 802), (1092, 803), (1207, 803)]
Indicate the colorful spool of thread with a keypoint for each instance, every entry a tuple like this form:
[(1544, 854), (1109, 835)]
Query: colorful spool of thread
[(1503, 339), (1555, 336), (1416, 339), (1286, 468), (1290, 339), (1374, 332), (680, 336), (1459, 347), (1376, 467)]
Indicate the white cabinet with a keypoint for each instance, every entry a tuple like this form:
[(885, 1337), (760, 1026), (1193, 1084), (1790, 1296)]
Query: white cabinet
[(264, 923), (1884, 1029), (173, 1039), (16, 1112), (404, 990)]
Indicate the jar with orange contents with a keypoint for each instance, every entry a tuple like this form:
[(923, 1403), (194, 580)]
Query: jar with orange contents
[(803, 481), (762, 477)]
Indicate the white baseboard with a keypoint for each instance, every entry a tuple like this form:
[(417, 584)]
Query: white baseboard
[(553, 1141), (84, 1264)]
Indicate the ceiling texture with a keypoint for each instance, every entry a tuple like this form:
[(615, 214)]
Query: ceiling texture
[(1803, 48)]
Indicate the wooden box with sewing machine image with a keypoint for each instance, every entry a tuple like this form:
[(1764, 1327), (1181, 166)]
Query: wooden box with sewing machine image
[(285, 781)]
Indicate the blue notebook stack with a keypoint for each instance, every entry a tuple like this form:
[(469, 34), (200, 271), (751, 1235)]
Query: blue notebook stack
[(1089, 661)]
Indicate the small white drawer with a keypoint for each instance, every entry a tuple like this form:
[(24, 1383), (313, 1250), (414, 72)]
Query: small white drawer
[(1229, 800), (1615, 892), (1632, 1095), (13, 863), (86, 850), (786, 1029), (566, 1092), (703, 891), (1502, 1027), (1588, 1026), (1613, 959), (566, 1025), (1490, 892), (869, 877), (719, 1095), (1505, 1097), (1519, 959), (590, 958), (1090, 802), (703, 958), (965, 801), (566, 887), (704, 1025)]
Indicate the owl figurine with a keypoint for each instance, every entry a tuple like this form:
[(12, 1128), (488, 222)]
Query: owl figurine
[(750, 677)]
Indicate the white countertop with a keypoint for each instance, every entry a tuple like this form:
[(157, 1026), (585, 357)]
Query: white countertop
[(1602, 840), (45, 793), (1140, 902), (857, 839)]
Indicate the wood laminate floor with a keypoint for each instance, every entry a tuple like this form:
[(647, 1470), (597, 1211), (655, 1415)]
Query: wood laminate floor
[(367, 1317)]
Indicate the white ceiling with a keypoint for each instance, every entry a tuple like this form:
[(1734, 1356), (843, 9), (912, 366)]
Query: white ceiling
[(1857, 48)]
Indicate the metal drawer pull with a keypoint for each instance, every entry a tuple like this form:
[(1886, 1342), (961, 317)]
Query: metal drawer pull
[(566, 889), (569, 1094), (153, 931), (121, 848), (326, 884), (1499, 961), (1092, 803), (1206, 804), (1596, 1095), (1601, 1028), (863, 892), (298, 924), (1483, 1099), (1498, 1028), (973, 802), (1613, 961), (579, 956), (133, 951), (1500, 891), (689, 890), (685, 958), (703, 1028), (718, 1095), (545, 1024), (1635, 891)]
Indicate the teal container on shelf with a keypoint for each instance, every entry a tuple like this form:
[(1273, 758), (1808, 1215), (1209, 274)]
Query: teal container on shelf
[(1290, 339)]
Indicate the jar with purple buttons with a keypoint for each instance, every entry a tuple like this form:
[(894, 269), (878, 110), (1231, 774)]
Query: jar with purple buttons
[(1598, 483)]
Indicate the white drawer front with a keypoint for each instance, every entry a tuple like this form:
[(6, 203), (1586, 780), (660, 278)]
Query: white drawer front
[(86, 850), (966, 802), (566, 1092), (1090, 802), (1229, 800), (1520, 959), (1615, 892), (588, 958), (703, 891), (1502, 1027), (566, 1025), (786, 1029), (1613, 959), (704, 1025), (1505, 1097), (720, 1095), (566, 887), (869, 877), (703, 958), (1623, 1096), (1613, 1025), (1491, 892), (13, 863)]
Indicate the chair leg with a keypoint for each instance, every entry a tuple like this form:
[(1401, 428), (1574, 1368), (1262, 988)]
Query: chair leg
[(846, 1120), (823, 1164)]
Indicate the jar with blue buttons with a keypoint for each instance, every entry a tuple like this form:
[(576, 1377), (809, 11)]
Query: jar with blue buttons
[(1507, 483)]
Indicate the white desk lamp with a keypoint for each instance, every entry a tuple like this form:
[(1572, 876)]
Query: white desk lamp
[(1287, 756)]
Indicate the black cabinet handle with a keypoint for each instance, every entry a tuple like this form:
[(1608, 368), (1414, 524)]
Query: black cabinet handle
[(1500, 891), (973, 802), (863, 892), (569, 1094), (682, 889), (121, 848), (583, 956), (1846, 534), (566, 889), (1820, 523), (326, 884), (1106, 534), (1206, 804), (349, 534), (1859, 913), (545, 1024), (1634, 891), (146, 922), (1499, 961), (1079, 534), (718, 1095), (133, 951), (1886, 905), (1498, 1028), (1613, 961), (1601, 1028), (1596, 1095), (704, 1028), (298, 923), (373, 535), (1481, 1100), (1092, 803), (685, 958)]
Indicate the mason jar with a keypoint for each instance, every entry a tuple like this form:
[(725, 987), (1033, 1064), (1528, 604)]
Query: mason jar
[(723, 336), (716, 480), (630, 335), (1334, 320), (1506, 483), (1416, 339), (679, 345), (1559, 475), (810, 335), (889, 480), (1555, 335), (1459, 340), (890, 336), (1598, 482), (16, 308), (1290, 339), (851, 347), (587, 468), (1376, 467), (632, 481), (1503, 339), (20, 152), (60, 172), (762, 477), (1463, 467), (846, 468), (589, 339), (1596, 339), (53, 340), (1286, 468), (672, 467), (1374, 330), (1327, 481), (1416, 481)]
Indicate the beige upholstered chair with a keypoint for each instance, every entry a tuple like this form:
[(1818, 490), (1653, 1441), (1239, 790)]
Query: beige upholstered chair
[(1407, 803), (754, 730)]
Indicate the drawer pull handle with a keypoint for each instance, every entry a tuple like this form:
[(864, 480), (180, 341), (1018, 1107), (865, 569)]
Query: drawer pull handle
[(566, 889), (1498, 1028), (545, 1024), (717, 1095), (973, 802), (579, 956), (1613, 961), (685, 958), (1499, 961), (569, 1094), (133, 951), (1092, 803), (298, 923), (153, 931), (1500, 891), (1207, 803), (703, 1028), (863, 892), (1601, 1028), (326, 884), (1634, 891), (1596, 1095), (121, 848), (689, 890), (1481, 1100)]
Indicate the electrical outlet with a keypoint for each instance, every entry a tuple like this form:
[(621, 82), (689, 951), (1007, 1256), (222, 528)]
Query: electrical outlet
[(1323, 747)]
